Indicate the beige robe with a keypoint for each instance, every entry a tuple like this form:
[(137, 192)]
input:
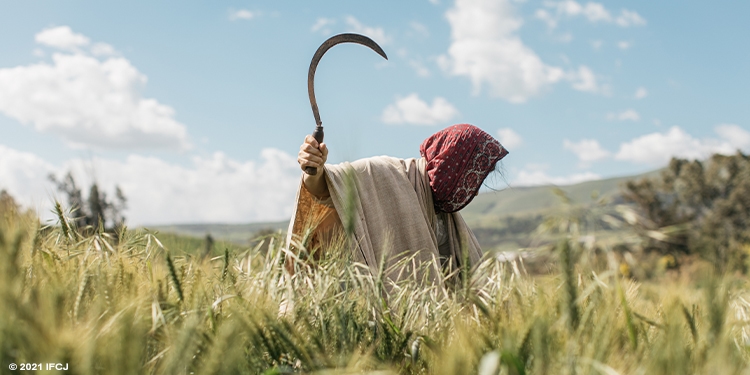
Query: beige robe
[(393, 214)]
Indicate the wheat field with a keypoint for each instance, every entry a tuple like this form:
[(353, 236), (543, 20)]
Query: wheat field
[(130, 304)]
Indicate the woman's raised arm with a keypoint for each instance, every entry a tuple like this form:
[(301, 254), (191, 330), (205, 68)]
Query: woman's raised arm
[(312, 154)]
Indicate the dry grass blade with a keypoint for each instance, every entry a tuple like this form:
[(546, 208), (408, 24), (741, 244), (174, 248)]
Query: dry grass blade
[(174, 278)]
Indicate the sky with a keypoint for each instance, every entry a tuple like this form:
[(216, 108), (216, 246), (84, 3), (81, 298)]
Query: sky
[(197, 109)]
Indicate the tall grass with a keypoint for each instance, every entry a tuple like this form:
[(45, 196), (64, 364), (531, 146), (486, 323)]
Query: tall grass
[(132, 306)]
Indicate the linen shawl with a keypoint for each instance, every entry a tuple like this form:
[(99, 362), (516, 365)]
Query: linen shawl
[(393, 213)]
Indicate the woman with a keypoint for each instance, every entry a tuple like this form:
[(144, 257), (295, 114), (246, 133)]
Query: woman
[(398, 207)]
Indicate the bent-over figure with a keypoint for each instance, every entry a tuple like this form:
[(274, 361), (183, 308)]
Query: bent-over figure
[(398, 207)]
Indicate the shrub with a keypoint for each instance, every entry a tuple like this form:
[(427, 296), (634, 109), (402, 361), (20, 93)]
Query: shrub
[(702, 206)]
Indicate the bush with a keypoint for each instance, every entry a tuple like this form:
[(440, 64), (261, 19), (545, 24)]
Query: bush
[(703, 207)]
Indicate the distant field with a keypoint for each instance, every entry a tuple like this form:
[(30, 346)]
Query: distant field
[(240, 234)]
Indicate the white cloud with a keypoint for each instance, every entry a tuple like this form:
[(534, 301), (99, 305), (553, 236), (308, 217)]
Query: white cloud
[(242, 14), (435, 2), (221, 188), (640, 93), (89, 102), (509, 138), (416, 63), (623, 45), (737, 137), (61, 37), (593, 12), (628, 114), (419, 68), (415, 111), (565, 38), (321, 24), (628, 18), (211, 189), (584, 80), (546, 17), (103, 49), (596, 12), (24, 176), (535, 175), (485, 48), (419, 28), (659, 148), (375, 33), (596, 44), (587, 151)]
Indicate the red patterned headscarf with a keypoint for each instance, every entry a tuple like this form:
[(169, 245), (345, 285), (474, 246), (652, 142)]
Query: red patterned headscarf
[(459, 158)]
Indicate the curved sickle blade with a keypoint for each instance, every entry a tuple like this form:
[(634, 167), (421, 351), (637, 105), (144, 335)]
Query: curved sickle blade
[(332, 41)]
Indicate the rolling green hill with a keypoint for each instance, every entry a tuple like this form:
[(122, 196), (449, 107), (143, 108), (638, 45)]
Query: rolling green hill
[(538, 200)]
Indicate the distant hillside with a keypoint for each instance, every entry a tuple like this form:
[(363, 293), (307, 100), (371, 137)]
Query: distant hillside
[(236, 233), (502, 219), (533, 200)]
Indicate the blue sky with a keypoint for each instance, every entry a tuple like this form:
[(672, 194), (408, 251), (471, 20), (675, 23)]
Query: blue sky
[(197, 109)]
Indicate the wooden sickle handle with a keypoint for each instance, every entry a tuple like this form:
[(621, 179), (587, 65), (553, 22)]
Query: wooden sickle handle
[(318, 135)]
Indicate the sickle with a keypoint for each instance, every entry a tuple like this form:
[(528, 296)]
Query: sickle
[(332, 41)]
